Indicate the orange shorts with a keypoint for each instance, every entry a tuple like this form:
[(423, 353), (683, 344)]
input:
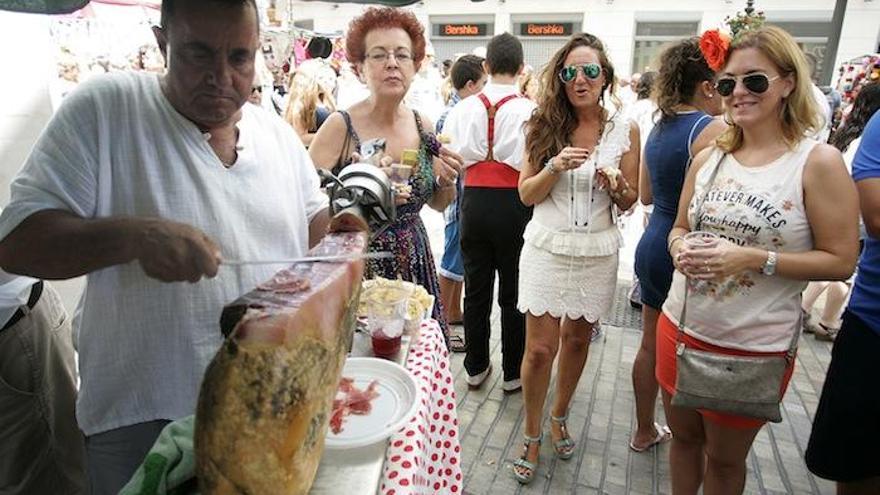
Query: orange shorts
[(666, 339)]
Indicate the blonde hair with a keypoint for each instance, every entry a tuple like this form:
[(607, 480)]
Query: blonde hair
[(798, 115), (305, 96)]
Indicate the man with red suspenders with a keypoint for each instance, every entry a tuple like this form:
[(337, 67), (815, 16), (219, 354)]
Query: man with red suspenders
[(487, 129)]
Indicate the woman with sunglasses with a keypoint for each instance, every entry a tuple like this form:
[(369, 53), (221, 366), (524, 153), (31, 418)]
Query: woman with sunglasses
[(386, 46), (686, 102), (784, 210), (581, 162)]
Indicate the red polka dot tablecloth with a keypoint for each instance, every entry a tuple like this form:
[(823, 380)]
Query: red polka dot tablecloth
[(424, 456)]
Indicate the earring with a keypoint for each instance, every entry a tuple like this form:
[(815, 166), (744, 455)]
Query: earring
[(710, 95)]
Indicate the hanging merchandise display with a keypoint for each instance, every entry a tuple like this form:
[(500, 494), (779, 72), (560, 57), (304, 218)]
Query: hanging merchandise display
[(857, 72)]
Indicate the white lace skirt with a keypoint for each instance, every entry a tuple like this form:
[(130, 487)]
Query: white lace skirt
[(575, 286)]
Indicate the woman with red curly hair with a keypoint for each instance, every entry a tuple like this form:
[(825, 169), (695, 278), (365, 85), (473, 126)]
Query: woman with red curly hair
[(386, 46)]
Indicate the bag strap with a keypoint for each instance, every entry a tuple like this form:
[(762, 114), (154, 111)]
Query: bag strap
[(679, 345)]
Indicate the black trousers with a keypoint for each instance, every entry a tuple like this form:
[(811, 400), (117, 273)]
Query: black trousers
[(492, 225)]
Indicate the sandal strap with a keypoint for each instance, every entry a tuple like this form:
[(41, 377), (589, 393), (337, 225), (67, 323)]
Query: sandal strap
[(523, 463), (530, 440), (563, 443), (559, 419)]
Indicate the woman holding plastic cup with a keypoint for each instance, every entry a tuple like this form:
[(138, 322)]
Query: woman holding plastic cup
[(386, 47), (784, 211)]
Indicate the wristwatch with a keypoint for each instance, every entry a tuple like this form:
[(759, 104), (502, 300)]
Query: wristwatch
[(549, 166), (770, 265)]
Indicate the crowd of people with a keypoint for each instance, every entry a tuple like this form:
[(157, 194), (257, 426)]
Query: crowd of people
[(142, 182)]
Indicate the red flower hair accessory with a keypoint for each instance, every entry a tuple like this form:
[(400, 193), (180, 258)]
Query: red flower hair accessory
[(714, 44)]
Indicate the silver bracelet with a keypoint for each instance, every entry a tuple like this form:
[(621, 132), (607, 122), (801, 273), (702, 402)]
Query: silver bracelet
[(672, 241)]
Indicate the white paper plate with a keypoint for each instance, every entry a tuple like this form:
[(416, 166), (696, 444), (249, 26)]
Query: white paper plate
[(396, 404)]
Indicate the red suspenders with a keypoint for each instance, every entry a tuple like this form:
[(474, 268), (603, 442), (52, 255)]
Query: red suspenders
[(489, 172)]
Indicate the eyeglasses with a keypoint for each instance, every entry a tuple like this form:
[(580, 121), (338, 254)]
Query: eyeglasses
[(755, 83), (382, 57), (257, 89), (591, 71)]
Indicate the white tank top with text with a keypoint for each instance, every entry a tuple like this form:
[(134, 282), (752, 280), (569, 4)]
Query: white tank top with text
[(761, 207)]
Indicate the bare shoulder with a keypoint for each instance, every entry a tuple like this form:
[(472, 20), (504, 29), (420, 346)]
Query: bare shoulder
[(633, 128), (824, 162), (701, 158), (335, 124), (715, 127)]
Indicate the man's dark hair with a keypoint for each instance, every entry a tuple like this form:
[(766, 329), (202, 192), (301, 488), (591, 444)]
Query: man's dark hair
[(319, 47), (169, 8), (645, 85), (466, 68), (504, 54)]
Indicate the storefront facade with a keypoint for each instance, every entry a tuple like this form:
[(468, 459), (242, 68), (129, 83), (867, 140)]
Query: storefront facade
[(452, 35), (634, 31), (543, 34)]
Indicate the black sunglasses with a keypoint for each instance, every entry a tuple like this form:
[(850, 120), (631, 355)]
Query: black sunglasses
[(591, 71), (755, 83), (257, 89)]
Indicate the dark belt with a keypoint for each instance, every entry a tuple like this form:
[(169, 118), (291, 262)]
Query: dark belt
[(36, 292)]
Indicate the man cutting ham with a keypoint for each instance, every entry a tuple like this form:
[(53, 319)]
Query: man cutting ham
[(141, 182)]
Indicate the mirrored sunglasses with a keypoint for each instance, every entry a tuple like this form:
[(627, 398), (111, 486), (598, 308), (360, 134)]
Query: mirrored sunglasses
[(591, 71), (754, 83)]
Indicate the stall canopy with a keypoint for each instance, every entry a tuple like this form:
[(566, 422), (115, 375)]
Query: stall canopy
[(68, 6)]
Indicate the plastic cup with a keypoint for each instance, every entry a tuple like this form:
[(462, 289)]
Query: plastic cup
[(701, 239), (400, 173), (385, 321)]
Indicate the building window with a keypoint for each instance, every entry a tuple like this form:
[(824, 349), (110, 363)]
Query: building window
[(652, 37), (810, 36), (307, 24)]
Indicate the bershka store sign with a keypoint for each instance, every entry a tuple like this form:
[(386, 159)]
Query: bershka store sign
[(460, 30), (542, 29)]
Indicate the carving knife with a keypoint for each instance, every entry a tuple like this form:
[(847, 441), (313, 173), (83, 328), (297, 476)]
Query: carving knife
[(307, 259)]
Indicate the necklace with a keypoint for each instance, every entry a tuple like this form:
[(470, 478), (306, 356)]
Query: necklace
[(573, 184)]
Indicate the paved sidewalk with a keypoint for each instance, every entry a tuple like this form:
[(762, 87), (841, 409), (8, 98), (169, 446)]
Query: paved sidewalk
[(602, 417)]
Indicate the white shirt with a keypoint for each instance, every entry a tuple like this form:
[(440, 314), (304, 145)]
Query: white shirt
[(14, 292), (117, 147), (643, 112), (750, 206), (424, 94), (576, 218), (467, 127), (824, 131)]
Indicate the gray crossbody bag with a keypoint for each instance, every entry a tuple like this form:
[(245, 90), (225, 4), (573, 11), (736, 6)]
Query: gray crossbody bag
[(741, 385)]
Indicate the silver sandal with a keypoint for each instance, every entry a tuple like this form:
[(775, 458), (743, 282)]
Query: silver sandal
[(564, 447), (523, 463)]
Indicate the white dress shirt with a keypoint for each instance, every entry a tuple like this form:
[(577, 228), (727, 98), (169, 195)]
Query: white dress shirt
[(467, 126), (117, 147)]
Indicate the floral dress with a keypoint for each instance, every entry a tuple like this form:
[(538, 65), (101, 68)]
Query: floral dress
[(407, 237)]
